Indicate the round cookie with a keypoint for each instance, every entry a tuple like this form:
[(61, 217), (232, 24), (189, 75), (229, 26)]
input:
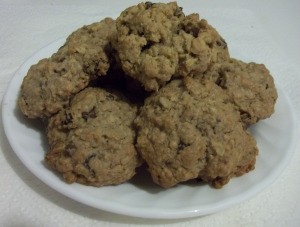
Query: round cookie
[(188, 130), (92, 141), (156, 41), (49, 85), (250, 88)]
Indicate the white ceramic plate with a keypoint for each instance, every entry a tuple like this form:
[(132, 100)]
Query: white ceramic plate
[(140, 197)]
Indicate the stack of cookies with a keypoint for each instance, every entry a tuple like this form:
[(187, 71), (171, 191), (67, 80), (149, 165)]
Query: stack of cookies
[(154, 88)]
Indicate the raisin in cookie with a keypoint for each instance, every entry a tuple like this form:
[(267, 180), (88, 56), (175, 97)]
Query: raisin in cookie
[(50, 83), (249, 86), (189, 130), (92, 141), (156, 41)]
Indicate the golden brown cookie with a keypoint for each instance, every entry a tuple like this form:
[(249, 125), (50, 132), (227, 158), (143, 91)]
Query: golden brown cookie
[(49, 85), (156, 41), (250, 87), (188, 130), (92, 141)]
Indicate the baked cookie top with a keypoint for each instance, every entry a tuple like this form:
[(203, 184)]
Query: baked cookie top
[(188, 130), (49, 85), (92, 141), (156, 41), (250, 87)]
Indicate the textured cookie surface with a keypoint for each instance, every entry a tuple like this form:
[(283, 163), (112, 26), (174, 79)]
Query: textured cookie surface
[(157, 41), (188, 130), (250, 88), (92, 141), (192, 102), (49, 85)]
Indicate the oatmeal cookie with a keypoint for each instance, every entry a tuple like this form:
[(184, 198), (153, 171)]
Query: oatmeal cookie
[(189, 130), (249, 86), (92, 141), (156, 41), (49, 85)]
